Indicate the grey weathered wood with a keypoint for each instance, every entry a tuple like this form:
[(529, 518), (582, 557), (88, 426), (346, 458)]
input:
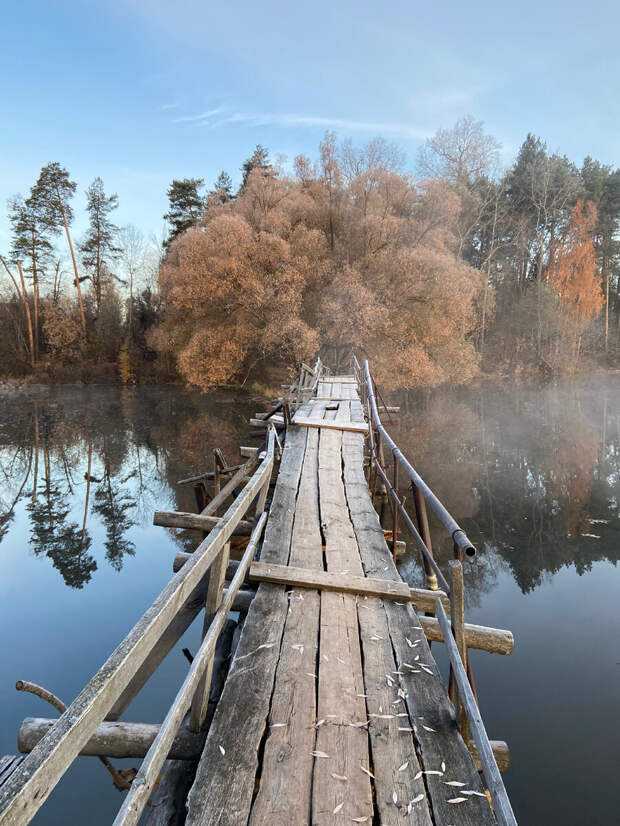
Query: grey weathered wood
[(426, 701), (29, 786), (167, 803), (222, 792), (283, 797), (494, 640), (118, 739), (239, 478), (130, 812), (501, 803), (181, 519), (213, 601), (457, 620), (324, 424), (341, 683)]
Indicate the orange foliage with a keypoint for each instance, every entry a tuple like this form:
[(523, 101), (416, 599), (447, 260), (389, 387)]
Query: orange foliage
[(351, 255), (573, 271)]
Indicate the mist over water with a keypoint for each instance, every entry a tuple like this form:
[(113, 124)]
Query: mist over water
[(531, 472)]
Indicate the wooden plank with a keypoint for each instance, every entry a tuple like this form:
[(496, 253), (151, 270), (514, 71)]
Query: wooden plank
[(239, 478), (328, 425), (284, 793), (397, 779), (30, 785), (222, 791), (430, 712), (182, 519), (118, 739), (131, 811), (341, 704)]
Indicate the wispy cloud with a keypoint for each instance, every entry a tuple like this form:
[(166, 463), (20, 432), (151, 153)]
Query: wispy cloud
[(168, 106), (203, 116), (295, 120)]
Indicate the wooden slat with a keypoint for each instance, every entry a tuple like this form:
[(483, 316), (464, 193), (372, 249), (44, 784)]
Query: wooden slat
[(324, 424), (426, 700), (286, 778), (341, 704), (395, 763), (182, 519), (222, 791)]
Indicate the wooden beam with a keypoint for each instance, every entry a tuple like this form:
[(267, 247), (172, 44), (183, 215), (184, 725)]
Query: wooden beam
[(343, 583), (327, 424), (181, 519), (494, 640), (118, 739), (500, 750)]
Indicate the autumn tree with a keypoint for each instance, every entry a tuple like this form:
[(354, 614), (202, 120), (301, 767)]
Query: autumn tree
[(573, 271), (99, 248), (186, 206)]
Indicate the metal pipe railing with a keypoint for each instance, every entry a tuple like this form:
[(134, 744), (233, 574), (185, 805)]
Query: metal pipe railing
[(456, 532)]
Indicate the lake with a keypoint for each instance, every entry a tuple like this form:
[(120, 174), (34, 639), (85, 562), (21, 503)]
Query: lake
[(530, 472)]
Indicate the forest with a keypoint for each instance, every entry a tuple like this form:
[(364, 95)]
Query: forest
[(459, 269)]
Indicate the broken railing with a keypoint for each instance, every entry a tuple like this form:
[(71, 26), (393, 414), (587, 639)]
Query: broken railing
[(132, 663)]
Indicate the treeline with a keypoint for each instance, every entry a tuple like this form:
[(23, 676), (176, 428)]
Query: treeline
[(436, 277), (77, 309)]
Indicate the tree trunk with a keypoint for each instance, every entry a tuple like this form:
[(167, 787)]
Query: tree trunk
[(75, 269), (27, 309)]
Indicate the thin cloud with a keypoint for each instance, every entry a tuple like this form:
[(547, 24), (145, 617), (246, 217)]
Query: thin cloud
[(402, 130), (168, 106), (197, 118)]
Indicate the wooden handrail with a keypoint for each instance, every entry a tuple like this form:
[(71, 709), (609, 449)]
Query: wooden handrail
[(32, 782), (130, 812)]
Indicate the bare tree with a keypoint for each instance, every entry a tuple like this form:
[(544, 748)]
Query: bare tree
[(460, 154)]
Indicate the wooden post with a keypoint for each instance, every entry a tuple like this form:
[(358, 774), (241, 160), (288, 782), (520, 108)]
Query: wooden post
[(217, 575), (424, 530), (457, 618)]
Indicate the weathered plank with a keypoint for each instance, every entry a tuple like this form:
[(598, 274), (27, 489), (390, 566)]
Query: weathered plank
[(222, 791), (181, 519), (324, 424), (341, 703), (399, 786), (430, 712), (283, 797)]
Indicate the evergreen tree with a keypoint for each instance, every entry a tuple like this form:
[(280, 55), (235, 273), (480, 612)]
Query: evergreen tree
[(98, 248), (53, 191), (186, 206), (222, 189), (259, 159)]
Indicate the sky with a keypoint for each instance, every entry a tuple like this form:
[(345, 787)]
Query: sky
[(140, 92)]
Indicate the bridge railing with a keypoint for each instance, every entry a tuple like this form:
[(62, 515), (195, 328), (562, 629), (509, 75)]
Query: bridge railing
[(134, 660), (461, 687)]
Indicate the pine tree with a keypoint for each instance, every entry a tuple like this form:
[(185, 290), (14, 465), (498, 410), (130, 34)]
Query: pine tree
[(186, 206), (222, 189), (98, 248), (259, 159), (54, 189)]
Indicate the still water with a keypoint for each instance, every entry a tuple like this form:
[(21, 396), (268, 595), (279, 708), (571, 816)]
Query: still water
[(532, 474)]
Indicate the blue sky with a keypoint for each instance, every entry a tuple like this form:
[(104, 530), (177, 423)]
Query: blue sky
[(141, 91)]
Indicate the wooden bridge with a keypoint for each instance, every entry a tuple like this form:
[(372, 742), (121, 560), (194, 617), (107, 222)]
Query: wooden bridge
[(333, 710)]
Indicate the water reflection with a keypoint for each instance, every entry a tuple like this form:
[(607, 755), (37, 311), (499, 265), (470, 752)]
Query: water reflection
[(532, 474), (101, 459)]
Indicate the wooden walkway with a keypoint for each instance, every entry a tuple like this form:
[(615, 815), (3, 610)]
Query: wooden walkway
[(333, 711)]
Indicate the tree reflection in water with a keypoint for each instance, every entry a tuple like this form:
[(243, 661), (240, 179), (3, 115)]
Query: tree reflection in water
[(86, 465), (531, 473)]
